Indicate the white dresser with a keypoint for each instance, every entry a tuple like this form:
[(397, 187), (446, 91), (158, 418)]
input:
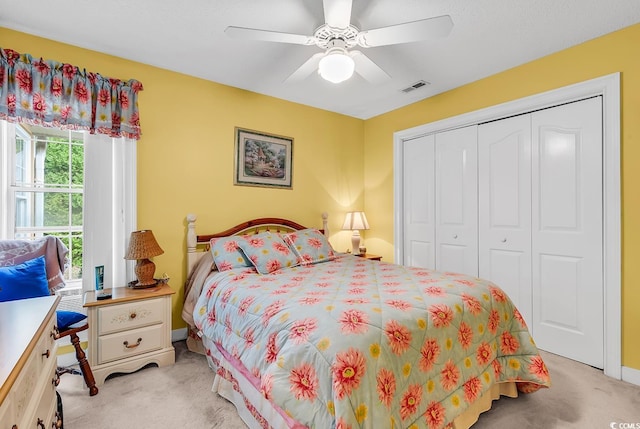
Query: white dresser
[(129, 330), (28, 364)]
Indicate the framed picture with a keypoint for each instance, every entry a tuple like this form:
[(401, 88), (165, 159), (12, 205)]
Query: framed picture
[(263, 159), (100, 277)]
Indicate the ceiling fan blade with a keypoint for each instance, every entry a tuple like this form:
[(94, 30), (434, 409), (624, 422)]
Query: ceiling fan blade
[(306, 68), (369, 70), (415, 31), (268, 36), (337, 13)]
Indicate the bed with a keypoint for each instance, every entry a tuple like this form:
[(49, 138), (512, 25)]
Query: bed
[(319, 339)]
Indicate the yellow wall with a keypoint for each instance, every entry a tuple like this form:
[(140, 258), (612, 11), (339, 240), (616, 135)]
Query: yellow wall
[(186, 155), (185, 158), (616, 52)]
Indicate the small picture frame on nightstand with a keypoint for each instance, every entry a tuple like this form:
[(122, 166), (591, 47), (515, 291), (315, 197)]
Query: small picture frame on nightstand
[(100, 277)]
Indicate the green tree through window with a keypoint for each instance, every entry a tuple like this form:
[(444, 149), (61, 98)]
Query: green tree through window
[(49, 188)]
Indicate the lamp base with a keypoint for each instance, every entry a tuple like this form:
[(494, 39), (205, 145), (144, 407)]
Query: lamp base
[(355, 242), (144, 272), (135, 285)]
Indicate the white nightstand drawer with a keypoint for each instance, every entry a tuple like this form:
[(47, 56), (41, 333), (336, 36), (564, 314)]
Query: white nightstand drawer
[(114, 318), (129, 343), (141, 317)]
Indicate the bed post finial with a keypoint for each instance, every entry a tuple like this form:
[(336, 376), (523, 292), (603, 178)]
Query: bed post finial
[(325, 224), (191, 233)]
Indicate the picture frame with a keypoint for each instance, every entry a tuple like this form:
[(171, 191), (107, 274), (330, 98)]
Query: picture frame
[(99, 271), (263, 159)]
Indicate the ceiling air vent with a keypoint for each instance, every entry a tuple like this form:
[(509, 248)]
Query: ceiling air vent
[(419, 84)]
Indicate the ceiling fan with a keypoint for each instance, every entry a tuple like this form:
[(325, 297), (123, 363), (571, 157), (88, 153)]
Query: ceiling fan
[(337, 36)]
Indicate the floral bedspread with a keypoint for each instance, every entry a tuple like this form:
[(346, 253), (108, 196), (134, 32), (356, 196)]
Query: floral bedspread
[(356, 343)]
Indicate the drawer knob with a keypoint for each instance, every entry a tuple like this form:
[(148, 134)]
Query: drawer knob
[(47, 354), (40, 424), (133, 315), (57, 423), (55, 381), (55, 334), (133, 346)]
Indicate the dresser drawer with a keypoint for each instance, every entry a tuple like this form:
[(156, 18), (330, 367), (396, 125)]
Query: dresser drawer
[(115, 318), (46, 403), (112, 347), (6, 412), (29, 351), (47, 348), (25, 387), (34, 387)]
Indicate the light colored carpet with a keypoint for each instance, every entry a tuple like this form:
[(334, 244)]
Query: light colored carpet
[(180, 396)]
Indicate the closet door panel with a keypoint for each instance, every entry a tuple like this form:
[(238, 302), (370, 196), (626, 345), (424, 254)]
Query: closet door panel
[(504, 207), (456, 197), (567, 231), (419, 202)]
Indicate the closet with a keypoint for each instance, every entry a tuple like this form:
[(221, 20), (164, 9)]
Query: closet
[(518, 201), (441, 167)]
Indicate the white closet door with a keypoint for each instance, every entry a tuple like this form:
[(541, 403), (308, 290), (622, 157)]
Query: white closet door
[(504, 208), (567, 231), (457, 201), (419, 202)]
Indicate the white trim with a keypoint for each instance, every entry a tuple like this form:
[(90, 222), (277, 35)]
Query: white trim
[(179, 334), (631, 375), (609, 88)]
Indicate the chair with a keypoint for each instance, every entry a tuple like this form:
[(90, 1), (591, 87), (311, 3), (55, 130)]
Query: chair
[(69, 324), (27, 270)]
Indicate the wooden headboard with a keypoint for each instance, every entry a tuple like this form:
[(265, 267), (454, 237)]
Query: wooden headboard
[(199, 243)]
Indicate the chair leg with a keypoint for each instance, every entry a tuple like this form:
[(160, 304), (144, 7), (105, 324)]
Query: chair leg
[(84, 366)]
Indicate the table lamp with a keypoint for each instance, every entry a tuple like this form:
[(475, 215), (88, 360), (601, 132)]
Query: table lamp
[(142, 246), (355, 221)]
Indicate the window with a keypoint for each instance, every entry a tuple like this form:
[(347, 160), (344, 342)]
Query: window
[(46, 189), (76, 186)]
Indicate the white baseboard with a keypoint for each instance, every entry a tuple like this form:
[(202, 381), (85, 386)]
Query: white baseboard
[(179, 334), (631, 375)]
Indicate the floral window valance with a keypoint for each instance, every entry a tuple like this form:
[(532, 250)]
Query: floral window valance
[(49, 93)]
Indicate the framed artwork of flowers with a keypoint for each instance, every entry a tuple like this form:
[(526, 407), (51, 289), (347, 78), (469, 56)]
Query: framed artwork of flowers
[(263, 159)]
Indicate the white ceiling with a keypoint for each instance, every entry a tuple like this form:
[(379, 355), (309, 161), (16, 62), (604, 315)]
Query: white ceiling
[(188, 37)]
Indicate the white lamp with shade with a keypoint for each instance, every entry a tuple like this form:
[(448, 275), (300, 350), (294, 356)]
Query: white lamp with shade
[(355, 221)]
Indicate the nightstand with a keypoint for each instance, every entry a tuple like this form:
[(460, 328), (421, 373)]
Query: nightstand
[(370, 256), (129, 330)]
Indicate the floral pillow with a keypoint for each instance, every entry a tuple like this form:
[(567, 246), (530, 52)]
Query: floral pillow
[(310, 245), (226, 253), (267, 252)]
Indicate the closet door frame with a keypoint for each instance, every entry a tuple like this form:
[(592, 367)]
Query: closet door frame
[(609, 88)]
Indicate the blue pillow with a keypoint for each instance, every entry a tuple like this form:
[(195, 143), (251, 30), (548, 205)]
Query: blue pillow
[(26, 280), (68, 318)]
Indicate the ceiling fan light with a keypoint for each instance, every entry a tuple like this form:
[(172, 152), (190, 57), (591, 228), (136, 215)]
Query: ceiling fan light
[(336, 66)]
